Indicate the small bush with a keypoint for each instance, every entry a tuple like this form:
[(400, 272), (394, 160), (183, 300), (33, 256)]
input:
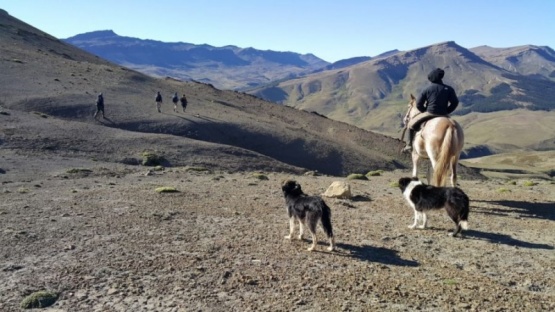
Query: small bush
[(151, 159), (511, 182), (260, 176), (39, 299), (40, 114), (394, 184), (503, 190), (356, 176), (22, 190), (159, 168), (166, 189), (529, 183), (78, 170), (375, 173)]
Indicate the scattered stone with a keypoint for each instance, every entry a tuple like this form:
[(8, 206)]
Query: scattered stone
[(338, 189)]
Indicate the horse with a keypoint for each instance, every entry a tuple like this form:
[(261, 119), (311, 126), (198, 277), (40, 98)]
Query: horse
[(440, 139)]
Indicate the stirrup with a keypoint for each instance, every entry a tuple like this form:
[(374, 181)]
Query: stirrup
[(407, 149)]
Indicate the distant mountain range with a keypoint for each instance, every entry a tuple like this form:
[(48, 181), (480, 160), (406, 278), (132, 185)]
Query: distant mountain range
[(228, 67)]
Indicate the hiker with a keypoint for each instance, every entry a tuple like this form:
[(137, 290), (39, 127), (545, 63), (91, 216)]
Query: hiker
[(183, 102), (158, 101), (438, 99), (99, 105), (175, 99)]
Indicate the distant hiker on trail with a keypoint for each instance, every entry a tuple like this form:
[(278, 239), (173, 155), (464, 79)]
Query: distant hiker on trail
[(175, 99), (183, 102), (438, 99), (158, 101), (99, 105)]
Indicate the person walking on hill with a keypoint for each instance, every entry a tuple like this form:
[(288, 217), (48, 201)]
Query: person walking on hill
[(175, 99), (438, 99), (99, 105), (158, 101), (183, 102)]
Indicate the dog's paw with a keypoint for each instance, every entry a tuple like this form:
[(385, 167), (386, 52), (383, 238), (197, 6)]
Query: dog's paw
[(331, 248), (411, 226), (288, 237), (422, 227), (311, 248)]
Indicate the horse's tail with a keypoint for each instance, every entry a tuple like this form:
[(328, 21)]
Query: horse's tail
[(446, 154)]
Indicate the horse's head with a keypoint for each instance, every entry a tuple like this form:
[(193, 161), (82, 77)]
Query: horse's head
[(411, 111)]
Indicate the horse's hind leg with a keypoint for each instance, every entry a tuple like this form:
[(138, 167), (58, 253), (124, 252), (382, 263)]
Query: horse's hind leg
[(454, 171), (415, 164)]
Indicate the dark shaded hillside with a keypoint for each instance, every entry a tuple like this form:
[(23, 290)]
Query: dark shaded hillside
[(228, 67), (50, 87)]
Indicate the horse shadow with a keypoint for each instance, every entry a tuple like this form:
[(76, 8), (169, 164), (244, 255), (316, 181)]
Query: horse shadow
[(504, 239), (375, 254), (544, 210)]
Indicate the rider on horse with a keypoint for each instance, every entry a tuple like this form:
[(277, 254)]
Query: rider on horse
[(436, 100)]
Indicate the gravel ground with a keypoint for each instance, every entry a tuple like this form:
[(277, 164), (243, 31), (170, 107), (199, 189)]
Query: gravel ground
[(104, 240)]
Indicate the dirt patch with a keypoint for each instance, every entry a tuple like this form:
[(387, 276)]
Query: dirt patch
[(104, 240)]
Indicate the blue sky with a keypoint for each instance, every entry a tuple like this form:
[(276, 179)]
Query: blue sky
[(332, 30)]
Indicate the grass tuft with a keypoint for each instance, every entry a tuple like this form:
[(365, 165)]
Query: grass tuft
[(78, 170), (394, 184), (166, 189), (356, 176), (503, 190), (39, 299), (151, 159), (375, 173), (529, 183), (260, 176)]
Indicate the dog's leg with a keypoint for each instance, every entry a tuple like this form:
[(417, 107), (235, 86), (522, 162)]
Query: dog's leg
[(301, 229), (332, 244), (424, 220), (291, 227), (416, 214), (311, 248)]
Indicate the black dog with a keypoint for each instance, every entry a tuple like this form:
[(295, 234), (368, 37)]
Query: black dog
[(308, 210), (423, 197)]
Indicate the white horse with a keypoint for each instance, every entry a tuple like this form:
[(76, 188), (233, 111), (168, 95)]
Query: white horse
[(441, 140)]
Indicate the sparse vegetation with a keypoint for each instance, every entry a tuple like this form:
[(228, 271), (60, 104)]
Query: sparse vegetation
[(374, 173), (40, 114), (356, 176), (394, 184), (503, 190), (198, 169), (529, 183), (39, 299), (151, 159), (166, 189), (511, 182), (260, 176), (78, 170), (23, 190)]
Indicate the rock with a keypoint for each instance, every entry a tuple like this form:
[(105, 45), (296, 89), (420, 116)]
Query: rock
[(338, 189)]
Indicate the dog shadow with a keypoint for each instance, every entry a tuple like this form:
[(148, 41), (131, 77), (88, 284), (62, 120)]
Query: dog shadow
[(504, 239), (375, 254), (545, 210)]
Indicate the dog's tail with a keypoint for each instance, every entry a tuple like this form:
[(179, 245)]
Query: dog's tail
[(326, 220)]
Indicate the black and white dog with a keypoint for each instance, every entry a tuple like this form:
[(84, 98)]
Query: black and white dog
[(422, 197), (308, 210)]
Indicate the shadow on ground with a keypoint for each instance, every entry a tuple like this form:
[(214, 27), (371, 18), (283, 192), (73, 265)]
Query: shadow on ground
[(376, 254)]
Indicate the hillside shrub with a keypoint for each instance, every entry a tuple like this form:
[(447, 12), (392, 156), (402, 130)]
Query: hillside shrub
[(529, 183), (356, 176), (375, 173), (151, 159), (39, 299), (260, 176), (166, 189)]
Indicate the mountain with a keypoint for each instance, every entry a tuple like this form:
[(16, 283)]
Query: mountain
[(373, 95), (49, 88), (527, 60), (228, 67)]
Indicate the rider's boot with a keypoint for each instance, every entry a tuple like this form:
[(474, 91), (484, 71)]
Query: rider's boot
[(408, 146)]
